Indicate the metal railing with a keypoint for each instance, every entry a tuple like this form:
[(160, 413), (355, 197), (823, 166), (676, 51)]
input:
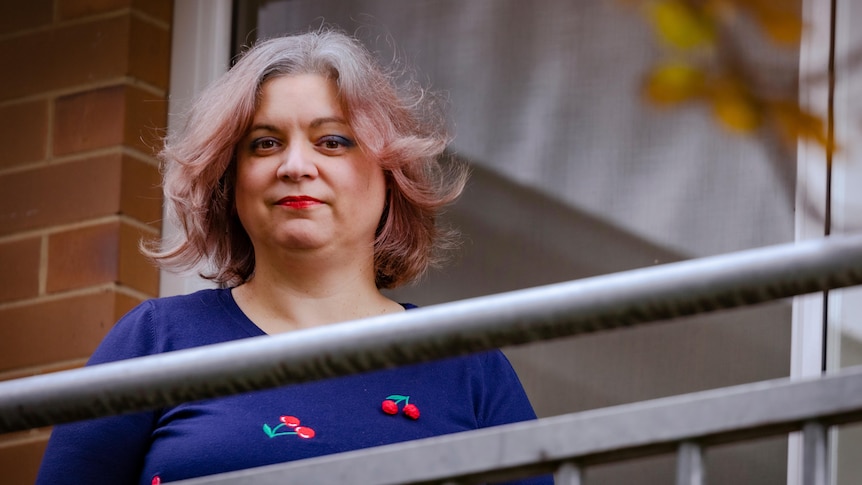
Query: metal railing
[(543, 313), (687, 424)]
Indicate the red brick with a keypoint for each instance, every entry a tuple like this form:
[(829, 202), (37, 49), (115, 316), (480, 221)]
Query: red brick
[(42, 369), (160, 9), (135, 270), (146, 120), (149, 43), (20, 16), (150, 53), (19, 278), (89, 120), (20, 462), (71, 192), (56, 194), (141, 192), (95, 255), (56, 330), (74, 9), (83, 257), (124, 303), (115, 115), (64, 57), (23, 133)]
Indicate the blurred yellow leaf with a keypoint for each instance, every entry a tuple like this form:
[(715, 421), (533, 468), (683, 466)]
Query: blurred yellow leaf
[(780, 26), (794, 124), (717, 71), (736, 111), (736, 115), (673, 82), (680, 25)]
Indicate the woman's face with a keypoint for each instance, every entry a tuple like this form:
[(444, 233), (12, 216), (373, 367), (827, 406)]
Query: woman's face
[(302, 182)]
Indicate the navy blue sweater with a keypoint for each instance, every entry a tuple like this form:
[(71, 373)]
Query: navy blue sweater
[(273, 426)]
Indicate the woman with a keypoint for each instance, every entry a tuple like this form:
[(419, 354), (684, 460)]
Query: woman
[(307, 182)]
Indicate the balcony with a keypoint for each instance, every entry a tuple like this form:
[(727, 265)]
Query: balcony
[(568, 445)]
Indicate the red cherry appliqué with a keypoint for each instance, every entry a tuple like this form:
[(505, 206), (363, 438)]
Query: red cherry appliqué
[(411, 411), (390, 406), (156, 480), (292, 423)]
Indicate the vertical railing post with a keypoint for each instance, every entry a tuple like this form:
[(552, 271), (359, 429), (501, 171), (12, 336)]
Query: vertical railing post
[(689, 464), (569, 473), (815, 459)]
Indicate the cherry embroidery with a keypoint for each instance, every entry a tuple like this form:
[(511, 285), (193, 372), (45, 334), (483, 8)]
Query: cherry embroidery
[(390, 406), (156, 480), (411, 411), (291, 422)]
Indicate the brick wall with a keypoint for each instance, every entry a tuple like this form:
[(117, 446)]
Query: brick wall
[(82, 105)]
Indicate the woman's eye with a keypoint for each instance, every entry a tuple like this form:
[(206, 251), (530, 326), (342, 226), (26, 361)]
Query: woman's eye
[(263, 144), (334, 142)]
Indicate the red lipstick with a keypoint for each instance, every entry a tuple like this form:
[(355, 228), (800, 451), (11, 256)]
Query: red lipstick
[(298, 201)]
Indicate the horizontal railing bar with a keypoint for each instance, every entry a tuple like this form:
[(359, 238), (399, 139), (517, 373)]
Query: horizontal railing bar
[(438, 331), (748, 411)]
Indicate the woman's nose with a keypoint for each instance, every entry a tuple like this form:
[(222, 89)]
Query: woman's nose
[(297, 163)]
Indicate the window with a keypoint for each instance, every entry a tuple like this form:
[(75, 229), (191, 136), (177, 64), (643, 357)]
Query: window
[(574, 176)]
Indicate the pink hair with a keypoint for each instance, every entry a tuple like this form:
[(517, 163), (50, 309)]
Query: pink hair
[(401, 128)]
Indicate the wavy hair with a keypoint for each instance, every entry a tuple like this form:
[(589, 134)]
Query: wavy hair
[(398, 124)]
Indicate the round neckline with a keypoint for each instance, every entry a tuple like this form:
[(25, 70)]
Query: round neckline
[(247, 324)]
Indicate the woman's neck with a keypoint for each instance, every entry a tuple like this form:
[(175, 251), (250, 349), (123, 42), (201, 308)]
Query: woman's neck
[(310, 294)]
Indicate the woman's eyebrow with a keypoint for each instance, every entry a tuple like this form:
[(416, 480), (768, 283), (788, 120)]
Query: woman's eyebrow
[(263, 127), (317, 122)]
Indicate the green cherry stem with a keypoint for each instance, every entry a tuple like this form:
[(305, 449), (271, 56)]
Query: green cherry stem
[(273, 432), (398, 398)]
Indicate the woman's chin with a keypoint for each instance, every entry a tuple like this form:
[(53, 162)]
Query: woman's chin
[(303, 243)]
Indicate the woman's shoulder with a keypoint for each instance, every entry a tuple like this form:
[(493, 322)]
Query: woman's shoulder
[(205, 298), (201, 304), (172, 323)]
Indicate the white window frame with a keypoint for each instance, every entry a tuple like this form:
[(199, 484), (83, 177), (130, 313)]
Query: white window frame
[(839, 308), (200, 53)]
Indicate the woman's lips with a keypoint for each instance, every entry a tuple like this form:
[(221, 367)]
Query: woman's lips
[(298, 201)]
